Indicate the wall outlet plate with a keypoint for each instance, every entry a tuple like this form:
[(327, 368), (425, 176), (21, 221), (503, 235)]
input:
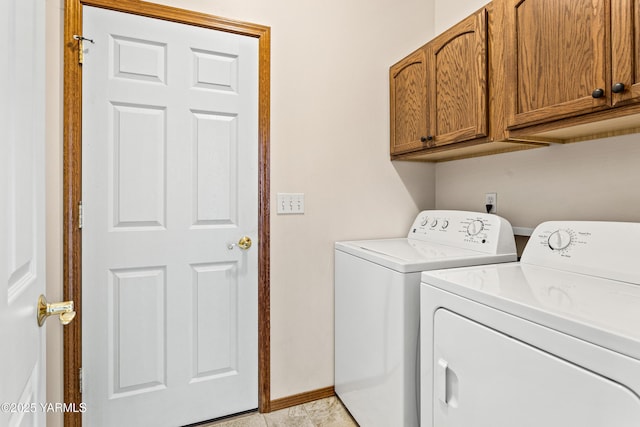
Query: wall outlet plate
[(491, 199)]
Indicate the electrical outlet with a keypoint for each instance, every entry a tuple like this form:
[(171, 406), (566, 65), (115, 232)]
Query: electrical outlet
[(491, 199), (290, 203)]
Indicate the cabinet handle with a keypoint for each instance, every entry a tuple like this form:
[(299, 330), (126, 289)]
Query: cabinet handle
[(426, 138), (598, 93), (618, 88)]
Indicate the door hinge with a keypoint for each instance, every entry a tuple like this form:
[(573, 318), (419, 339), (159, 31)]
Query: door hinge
[(81, 380), (80, 214)]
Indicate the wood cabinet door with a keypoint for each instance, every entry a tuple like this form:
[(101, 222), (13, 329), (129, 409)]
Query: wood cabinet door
[(557, 56), (625, 53), (457, 82), (408, 98)]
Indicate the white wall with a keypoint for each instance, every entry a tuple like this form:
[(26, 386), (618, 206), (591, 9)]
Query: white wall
[(329, 140), (593, 180)]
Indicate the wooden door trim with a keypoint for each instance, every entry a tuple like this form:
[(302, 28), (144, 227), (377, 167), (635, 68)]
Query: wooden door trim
[(72, 181)]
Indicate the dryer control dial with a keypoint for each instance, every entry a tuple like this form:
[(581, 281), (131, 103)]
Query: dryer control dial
[(475, 227), (560, 240)]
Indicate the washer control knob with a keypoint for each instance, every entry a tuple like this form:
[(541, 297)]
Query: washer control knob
[(434, 223), (445, 224), (559, 240), (424, 221), (475, 227)]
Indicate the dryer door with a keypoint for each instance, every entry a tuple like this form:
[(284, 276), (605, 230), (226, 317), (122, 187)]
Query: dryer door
[(487, 379)]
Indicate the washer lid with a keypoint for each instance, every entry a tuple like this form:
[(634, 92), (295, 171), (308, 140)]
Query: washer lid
[(601, 311), (409, 255)]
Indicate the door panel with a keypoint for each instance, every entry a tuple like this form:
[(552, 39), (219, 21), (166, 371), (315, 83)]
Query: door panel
[(214, 320), (458, 82), (556, 63), (408, 92), (169, 185), (22, 220), (625, 53), (484, 378), (136, 301), (138, 195)]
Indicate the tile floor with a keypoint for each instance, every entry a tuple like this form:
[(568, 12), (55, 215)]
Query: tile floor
[(327, 412)]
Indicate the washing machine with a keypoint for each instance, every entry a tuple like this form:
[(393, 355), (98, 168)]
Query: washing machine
[(377, 297), (553, 340)]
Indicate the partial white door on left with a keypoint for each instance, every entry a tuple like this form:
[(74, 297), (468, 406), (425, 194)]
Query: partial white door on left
[(22, 210), (170, 178)]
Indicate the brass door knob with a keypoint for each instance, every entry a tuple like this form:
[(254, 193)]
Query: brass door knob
[(65, 310), (244, 243)]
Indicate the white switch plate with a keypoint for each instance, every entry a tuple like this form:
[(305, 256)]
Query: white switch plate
[(290, 203)]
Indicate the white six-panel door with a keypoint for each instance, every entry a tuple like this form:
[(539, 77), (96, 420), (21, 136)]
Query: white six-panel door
[(22, 210), (170, 178)]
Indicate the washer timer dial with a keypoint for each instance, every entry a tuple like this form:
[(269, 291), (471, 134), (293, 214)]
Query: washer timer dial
[(475, 227), (560, 240)]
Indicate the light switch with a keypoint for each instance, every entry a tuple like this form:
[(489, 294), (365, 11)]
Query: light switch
[(290, 203)]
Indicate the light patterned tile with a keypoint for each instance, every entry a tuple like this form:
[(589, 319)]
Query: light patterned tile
[(329, 412), (291, 417)]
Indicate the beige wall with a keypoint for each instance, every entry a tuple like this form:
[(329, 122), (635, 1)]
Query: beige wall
[(594, 180), (329, 140), (448, 12)]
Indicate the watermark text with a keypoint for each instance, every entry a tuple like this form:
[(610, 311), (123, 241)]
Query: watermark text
[(31, 407)]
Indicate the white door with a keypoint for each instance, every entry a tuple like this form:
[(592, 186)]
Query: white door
[(170, 179), (22, 234)]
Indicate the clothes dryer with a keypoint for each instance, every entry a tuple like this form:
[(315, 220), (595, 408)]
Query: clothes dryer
[(551, 341), (377, 298)]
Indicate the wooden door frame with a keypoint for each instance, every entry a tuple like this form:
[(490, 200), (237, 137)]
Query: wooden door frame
[(72, 185)]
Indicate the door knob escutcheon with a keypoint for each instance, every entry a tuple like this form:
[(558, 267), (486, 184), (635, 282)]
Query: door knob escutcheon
[(65, 310)]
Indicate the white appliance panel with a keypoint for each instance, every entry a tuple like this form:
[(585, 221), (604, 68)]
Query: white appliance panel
[(482, 232), (484, 378), (375, 341), (594, 309), (408, 255), (552, 339), (377, 301), (602, 249)]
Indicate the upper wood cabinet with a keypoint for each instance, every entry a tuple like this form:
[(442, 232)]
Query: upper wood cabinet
[(625, 50), (439, 92), (457, 82), (519, 74), (408, 94), (447, 98), (569, 58)]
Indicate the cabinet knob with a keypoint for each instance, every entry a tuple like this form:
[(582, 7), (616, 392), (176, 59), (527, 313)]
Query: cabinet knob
[(618, 88), (598, 93), (426, 138)]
